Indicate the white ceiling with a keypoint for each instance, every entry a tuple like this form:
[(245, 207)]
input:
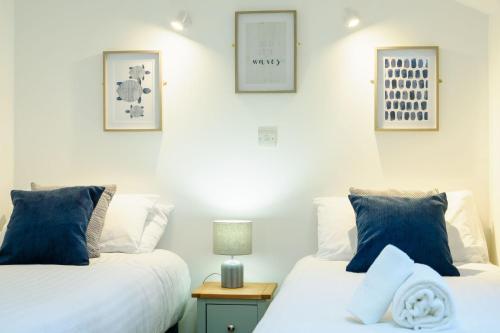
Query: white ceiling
[(484, 6)]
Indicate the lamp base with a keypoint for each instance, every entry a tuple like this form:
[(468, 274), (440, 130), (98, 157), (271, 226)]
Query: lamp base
[(231, 274)]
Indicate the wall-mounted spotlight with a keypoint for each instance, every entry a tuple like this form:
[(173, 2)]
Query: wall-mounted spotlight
[(351, 19), (182, 21)]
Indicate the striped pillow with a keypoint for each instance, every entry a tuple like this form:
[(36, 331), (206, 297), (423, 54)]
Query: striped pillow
[(393, 193), (96, 222)]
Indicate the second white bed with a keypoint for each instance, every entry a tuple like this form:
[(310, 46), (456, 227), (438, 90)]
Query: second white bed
[(315, 295), (115, 293)]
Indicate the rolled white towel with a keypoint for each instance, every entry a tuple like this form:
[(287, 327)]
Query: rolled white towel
[(372, 298), (424, 302)]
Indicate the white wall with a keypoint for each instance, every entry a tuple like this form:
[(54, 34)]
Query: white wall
[(207, 161), (6, 106), (494, 36), (484, 6)]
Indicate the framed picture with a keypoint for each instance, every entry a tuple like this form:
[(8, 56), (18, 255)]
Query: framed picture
[(407, 89), (266, 51), (132, 91)]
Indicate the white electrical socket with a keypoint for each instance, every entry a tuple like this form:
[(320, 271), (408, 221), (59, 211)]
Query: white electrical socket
[(268, 136)]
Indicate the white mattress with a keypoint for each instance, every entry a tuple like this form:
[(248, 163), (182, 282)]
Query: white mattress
[(117, 292), (315, 294)]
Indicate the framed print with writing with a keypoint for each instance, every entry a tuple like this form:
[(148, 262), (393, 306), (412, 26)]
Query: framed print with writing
[(407, 89), (266, 51), (132, 91)]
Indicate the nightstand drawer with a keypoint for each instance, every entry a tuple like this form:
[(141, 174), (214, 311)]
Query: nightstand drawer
[(222, 310), (238, 318)]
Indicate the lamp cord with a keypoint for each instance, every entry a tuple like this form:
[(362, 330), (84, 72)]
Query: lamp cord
[(209, 275)]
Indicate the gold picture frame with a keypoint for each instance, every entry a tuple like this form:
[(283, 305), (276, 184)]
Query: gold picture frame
[(419, 119), (157, 100), (292, 82)]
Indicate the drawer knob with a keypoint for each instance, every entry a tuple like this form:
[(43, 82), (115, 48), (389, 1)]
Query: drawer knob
[(231, 328)]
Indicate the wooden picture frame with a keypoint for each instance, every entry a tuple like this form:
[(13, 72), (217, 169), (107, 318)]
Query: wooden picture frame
[(132, 91), (407, 88), (266, 51)]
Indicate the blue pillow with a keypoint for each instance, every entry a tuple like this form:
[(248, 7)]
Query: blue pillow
[(416, 226), (49, 227)]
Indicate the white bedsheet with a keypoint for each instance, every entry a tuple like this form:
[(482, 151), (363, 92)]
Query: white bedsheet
[(142, 293), (315, 295)]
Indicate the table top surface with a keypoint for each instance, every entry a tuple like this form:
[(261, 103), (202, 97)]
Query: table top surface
[(250, 290)]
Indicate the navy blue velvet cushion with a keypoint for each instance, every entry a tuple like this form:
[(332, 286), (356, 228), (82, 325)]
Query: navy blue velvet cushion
[(416, 226), (49, 227)]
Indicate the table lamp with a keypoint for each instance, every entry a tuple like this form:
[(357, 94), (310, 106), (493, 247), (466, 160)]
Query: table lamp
[(232, 238)]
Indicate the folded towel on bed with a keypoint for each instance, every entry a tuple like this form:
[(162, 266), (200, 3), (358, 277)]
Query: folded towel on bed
[(423, 302), (372, 298)]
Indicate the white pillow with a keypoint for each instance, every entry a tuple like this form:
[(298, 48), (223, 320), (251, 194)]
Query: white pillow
[(465, 230), (337, 234), (2, 233), (154, 227), (336, 228), (3, 228), (125, 222)]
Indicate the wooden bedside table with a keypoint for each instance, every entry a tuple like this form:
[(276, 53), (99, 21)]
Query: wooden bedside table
[(232, 310)]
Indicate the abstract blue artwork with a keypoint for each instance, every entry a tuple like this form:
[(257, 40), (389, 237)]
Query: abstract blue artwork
[(407, 84), (406, 88)]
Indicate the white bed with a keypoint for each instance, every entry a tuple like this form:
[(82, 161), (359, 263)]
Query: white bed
[(117, 292), (315, 294)]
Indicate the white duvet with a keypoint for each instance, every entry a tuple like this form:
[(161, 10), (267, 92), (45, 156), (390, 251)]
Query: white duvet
[(316, 293), (143, 293)]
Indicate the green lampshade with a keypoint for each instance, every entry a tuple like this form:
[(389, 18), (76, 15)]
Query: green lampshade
[(232, 237)]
